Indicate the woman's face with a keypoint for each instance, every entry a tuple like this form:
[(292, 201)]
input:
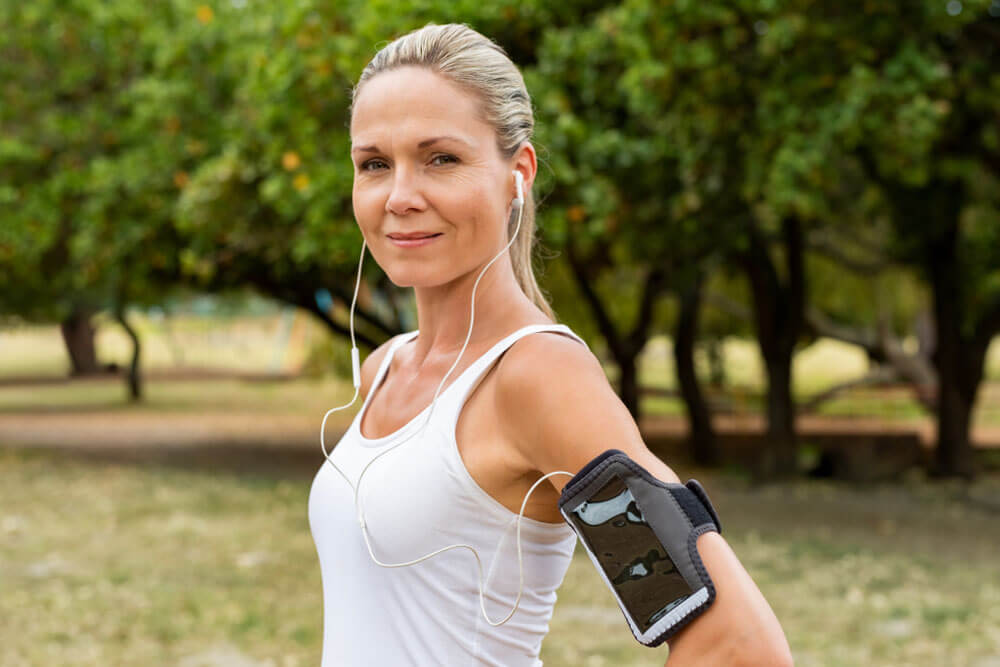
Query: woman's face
[(425, 162)]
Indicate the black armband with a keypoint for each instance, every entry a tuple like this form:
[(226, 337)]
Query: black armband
[(641, 533)]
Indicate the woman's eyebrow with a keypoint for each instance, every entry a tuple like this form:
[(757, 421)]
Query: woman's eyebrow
[(433, 140), (423, 144)]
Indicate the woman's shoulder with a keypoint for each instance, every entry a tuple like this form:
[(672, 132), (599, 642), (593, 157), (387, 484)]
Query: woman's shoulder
[(559, 410), (547, 349), (548, 367)]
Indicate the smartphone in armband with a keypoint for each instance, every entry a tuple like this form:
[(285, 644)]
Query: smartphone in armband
[(640, 534)]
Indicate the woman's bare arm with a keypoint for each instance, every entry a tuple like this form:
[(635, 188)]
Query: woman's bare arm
[(561, 412)]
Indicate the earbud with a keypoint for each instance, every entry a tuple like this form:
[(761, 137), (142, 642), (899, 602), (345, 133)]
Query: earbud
[(519, 180)]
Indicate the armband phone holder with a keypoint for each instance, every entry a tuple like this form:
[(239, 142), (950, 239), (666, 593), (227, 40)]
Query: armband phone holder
[(641, 533)]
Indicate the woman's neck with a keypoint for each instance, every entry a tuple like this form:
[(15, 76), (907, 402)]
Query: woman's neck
[(443, 312)]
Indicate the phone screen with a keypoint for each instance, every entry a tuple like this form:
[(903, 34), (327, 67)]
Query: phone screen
[(632, 557)]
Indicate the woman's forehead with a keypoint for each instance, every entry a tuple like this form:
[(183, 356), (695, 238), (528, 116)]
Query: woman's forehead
[(415, 103)]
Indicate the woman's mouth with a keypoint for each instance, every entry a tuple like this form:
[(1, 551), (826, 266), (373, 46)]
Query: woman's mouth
[(413, 242)]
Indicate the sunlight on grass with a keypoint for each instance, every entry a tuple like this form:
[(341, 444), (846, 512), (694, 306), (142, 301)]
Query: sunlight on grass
[(281, 343), (262, 344)]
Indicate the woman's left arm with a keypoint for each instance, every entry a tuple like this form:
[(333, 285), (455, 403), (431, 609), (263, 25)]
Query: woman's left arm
[(566, 414)]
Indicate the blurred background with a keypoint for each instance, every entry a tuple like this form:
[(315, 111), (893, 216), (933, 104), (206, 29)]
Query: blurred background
[(776, 223)]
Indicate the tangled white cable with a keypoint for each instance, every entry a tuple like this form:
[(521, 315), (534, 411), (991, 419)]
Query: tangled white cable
[(519, 203)]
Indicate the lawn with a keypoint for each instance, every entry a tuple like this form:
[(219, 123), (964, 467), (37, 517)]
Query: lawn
[(107, 563), (206, 560)]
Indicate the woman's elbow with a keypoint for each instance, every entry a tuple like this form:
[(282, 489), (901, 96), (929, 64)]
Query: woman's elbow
[(757, 651), (752, 647)]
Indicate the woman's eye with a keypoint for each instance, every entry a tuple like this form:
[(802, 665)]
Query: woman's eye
[(448, 159), (370, 165)]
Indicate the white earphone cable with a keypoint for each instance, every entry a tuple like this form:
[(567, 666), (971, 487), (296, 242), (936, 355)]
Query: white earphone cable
[(519, 201)]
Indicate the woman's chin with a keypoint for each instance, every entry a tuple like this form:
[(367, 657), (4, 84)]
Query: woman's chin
[(414, 279)]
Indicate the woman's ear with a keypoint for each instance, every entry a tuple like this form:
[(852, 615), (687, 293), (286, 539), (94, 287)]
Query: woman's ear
[(525, 161)]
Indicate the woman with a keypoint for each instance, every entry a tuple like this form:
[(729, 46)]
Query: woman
[(440, 127)]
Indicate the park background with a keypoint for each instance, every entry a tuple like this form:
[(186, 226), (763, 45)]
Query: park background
[(776, 223)]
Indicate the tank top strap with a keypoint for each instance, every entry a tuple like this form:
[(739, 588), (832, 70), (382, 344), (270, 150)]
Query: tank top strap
[(473, 374), (470, 377), (399, 340), (383, 367)]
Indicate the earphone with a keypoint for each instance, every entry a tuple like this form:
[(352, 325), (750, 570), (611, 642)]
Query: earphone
[(518, 202)]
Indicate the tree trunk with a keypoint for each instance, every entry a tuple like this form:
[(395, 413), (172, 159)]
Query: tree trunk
[(963, 325), (625, 347), (78, 336), (779, 314), (780, 459), (628, 384), (134, 378), (953, 456), (703, 443), (716, 362), (959, 362)]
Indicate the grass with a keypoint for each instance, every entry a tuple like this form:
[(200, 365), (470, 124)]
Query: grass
[(110, 565), (105, 563), (113, 564)]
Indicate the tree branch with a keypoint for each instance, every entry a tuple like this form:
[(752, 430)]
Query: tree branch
[(652, 288), (878, 377), (604, 323), (821, 325), (729, 306), (882, 346), (830, 250)]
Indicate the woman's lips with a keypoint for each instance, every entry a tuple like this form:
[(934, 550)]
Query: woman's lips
[(414, 243)]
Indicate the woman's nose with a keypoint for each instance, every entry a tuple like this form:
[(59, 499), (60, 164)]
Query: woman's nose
[(405, 195)]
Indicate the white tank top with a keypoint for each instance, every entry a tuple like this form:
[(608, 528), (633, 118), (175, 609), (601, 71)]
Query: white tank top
[(418, 498)]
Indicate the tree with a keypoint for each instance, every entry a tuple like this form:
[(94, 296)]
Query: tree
[(613, 201), (73, 66), (915, 108), (703, 74), (270, 206)]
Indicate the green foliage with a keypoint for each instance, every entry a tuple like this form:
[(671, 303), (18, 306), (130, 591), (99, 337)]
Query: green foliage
[(144, 145), (95, 148), (915, 105)]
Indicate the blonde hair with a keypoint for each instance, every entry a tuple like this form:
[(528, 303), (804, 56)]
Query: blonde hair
[(480, 66)]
